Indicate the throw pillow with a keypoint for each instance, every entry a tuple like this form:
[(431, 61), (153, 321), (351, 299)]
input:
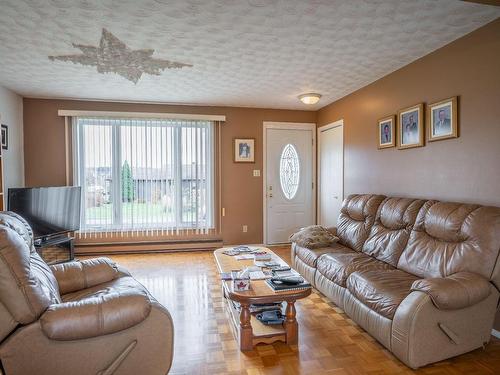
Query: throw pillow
[(313, 237)]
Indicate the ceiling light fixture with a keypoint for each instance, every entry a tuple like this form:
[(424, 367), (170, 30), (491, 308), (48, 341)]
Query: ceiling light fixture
[(310, 98)]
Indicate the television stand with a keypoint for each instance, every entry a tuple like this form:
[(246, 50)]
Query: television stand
[(56, 249)]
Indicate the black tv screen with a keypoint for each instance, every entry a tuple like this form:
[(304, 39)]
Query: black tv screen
[(48, 210)]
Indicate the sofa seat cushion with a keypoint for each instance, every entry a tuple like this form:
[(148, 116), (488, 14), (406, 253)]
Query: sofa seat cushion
[(381, 290), (339, 265), (310, 256)]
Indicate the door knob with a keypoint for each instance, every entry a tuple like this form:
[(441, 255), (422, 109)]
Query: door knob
[(336, 197)]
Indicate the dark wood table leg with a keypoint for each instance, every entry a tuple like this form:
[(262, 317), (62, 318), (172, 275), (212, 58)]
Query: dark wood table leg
[(246, 335), (291, 325)]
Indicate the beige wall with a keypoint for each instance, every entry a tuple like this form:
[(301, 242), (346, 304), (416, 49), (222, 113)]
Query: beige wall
[(241, 192), (466, 169)]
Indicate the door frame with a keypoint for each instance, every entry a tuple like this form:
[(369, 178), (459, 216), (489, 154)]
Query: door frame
[(321, 129), (286, 126)]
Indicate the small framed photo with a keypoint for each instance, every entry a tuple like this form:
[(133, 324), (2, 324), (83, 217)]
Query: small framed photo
[(386, 132), (244, 150), (442, 120), (5, 137), (411, 127)]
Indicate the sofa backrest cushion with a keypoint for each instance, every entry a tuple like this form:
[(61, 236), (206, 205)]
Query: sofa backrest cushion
[(356, 219), (19, 225), (453, 237), (27, 285), (392, 227)]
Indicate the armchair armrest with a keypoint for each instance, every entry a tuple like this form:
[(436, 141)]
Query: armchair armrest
[(95, 316), (456, 291), (73, 276)]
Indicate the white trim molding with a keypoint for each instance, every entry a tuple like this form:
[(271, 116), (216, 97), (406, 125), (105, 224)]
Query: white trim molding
[(182, 116), (321, 129), (495, 333)]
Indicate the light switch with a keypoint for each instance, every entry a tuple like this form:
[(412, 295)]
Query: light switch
[(245, 228), (256, 172)]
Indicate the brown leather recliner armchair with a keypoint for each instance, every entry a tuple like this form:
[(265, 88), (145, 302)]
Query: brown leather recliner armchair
[(88, 317)]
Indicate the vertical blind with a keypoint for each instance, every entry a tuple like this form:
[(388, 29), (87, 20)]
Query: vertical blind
[(143, 175)]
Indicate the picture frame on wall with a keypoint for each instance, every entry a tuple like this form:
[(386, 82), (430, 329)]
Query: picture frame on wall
[(5, 137), (442, 119), (244, 150), (386, 128), (410, 129)]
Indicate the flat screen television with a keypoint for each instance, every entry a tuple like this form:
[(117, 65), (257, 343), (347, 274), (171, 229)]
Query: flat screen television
[(50, 211)]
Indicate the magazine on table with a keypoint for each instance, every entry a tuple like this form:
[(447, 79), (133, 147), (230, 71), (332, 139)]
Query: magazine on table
[(260, 307), (287, 280), (238, 250), (284, 287)]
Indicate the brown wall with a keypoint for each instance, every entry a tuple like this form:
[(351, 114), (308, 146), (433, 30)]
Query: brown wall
[(466, 169), (241, 192)]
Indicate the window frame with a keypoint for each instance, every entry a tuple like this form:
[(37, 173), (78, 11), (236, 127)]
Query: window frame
[(117, 223)]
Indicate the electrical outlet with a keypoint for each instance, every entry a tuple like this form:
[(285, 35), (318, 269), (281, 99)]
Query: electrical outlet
[(256, 172), (245, 228)]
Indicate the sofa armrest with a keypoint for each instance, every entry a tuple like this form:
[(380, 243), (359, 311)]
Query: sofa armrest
[(456, 291), (73, 276), (95, 316)]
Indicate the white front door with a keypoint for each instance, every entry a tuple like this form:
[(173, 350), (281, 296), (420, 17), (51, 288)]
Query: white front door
[(330, 173), (289, 176)]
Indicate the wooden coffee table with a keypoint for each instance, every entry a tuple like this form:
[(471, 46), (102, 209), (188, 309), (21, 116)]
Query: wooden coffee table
[(248, 330)]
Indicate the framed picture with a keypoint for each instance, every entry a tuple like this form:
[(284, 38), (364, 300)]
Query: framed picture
[(385, 130), (442, 120), (411, 127), (5, 137), (244, 150)]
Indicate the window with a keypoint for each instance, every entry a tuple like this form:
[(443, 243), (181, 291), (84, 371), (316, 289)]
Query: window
[(289, 171), (144, 174)]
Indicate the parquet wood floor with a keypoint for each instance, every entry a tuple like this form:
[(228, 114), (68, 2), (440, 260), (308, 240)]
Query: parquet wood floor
[(329, 342)]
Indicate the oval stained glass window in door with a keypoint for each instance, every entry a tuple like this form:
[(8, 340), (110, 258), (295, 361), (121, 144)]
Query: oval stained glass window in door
[(289, 171)]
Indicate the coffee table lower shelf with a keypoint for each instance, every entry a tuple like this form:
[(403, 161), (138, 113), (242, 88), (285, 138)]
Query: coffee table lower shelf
[(261, 333)]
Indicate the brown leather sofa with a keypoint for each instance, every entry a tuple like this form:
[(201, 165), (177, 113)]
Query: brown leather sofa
[(421, 276), (88, 317)]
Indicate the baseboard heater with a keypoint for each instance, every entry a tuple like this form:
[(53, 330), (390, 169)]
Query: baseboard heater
[(141, 247)]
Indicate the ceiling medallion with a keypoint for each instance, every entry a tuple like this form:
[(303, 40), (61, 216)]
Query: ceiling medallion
[(113, 56)]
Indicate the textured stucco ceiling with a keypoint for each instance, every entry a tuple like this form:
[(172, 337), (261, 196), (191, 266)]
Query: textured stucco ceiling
[(259, 53)]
